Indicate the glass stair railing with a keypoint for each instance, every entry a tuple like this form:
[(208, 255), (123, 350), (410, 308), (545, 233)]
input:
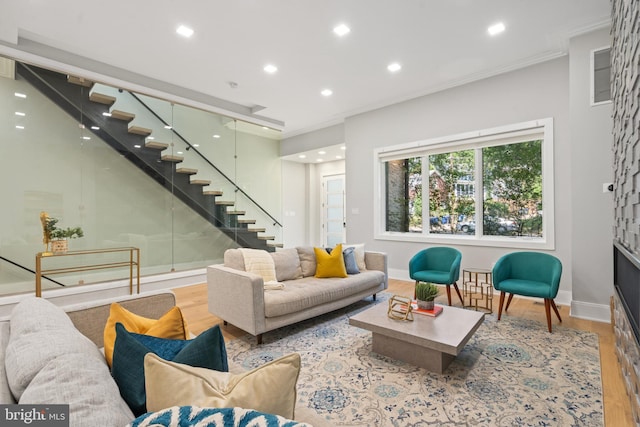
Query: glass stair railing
[(207, 160)]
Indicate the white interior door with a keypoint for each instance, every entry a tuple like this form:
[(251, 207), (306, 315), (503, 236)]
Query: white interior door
[(333, 213)]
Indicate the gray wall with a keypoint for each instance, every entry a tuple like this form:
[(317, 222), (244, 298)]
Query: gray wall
[(582, 163), (592, 209), (533, 93)]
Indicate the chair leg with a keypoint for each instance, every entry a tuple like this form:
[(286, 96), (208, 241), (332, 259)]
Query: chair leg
[(508, 302), (449, 294), (555, 308), (501, 304), (547, 310), (414, 290), (455, 285)]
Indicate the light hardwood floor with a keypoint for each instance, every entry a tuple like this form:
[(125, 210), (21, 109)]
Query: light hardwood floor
[(617, 410)]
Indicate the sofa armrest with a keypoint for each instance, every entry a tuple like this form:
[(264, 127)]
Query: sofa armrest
[(91, 318), (237, 297), (377, 261)]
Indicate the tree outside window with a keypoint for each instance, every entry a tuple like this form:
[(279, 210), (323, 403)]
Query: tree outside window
[(513, 189), (511, 198)]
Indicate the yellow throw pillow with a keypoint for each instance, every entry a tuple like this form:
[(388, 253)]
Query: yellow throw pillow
[(269, 388), (170, 325), (330, 265)]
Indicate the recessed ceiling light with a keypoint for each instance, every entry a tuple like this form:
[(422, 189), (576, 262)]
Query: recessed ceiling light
[(20, 95), (19, 127), (318, 160), (21, 114), (184, 31), (322, 152), (216, 136), (496, 29), (270, 68), (394, 67), (326, 92), (302, 156), (342, 30), (343, 147), (180, 152)]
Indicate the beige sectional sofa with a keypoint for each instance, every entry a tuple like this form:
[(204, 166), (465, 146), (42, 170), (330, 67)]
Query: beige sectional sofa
[(240, 298), (47, 356)]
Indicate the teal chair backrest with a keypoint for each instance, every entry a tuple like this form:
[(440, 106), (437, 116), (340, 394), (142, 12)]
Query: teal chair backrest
[(530, 266), (439, 258)]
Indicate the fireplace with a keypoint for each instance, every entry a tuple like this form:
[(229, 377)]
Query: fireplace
[(626, 280), (626, 319)]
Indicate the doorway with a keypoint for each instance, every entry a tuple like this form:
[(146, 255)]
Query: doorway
[(333, 210)]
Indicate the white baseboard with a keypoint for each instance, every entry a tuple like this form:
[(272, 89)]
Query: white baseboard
[(578, 309), (591, 311)]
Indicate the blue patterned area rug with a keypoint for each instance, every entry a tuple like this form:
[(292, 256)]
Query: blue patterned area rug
[(511, 373)]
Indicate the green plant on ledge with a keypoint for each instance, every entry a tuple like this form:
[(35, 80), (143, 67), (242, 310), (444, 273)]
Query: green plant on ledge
[(426, 291), (57, 237)]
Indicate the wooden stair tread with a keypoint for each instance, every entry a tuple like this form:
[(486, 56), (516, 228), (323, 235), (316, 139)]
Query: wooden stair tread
[(79, 81), (266, 237), (257, 230), (171, 158), (236, 212), (246, 221), (275, 245), (156, 145), (122, 115), (188, 171), (101, 98), (212, 193), (225, 202), (139, 130), (200, 182)]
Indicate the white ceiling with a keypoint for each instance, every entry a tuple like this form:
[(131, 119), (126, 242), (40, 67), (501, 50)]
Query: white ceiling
[(439, 43)]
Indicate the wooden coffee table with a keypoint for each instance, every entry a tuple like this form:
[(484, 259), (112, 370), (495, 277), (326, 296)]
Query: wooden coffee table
[(428, 342)]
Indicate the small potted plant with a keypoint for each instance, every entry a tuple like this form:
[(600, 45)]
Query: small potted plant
[(425, 294), (59, 236)]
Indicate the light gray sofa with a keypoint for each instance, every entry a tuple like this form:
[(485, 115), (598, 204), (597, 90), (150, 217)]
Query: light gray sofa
[(49, 357), (239, 297)]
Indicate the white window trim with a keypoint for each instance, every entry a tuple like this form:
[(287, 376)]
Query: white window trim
[(592, 72), (500, 135)]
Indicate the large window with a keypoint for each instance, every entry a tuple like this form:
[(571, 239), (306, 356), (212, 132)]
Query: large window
[(487, 187)]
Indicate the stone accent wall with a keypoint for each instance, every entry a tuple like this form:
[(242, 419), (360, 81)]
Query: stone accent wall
[(625, 87), (628, 353), (625, 62)]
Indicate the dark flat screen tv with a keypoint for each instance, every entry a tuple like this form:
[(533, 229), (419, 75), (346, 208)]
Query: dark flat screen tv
[(626, 279)]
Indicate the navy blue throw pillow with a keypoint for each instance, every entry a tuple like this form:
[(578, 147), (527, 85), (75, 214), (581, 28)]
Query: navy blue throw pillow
[(207, 350)]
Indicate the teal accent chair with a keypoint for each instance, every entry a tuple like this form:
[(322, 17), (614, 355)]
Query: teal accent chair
[(440, 265), (531, 274)]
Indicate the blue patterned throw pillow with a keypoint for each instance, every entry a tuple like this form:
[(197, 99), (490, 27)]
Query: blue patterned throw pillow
[(207, 350), (192, 416)]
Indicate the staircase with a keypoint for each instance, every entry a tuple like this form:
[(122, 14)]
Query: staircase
[(136, 143)]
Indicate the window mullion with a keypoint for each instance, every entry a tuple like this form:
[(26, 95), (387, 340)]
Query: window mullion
[(426, 196), (479, 193)]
